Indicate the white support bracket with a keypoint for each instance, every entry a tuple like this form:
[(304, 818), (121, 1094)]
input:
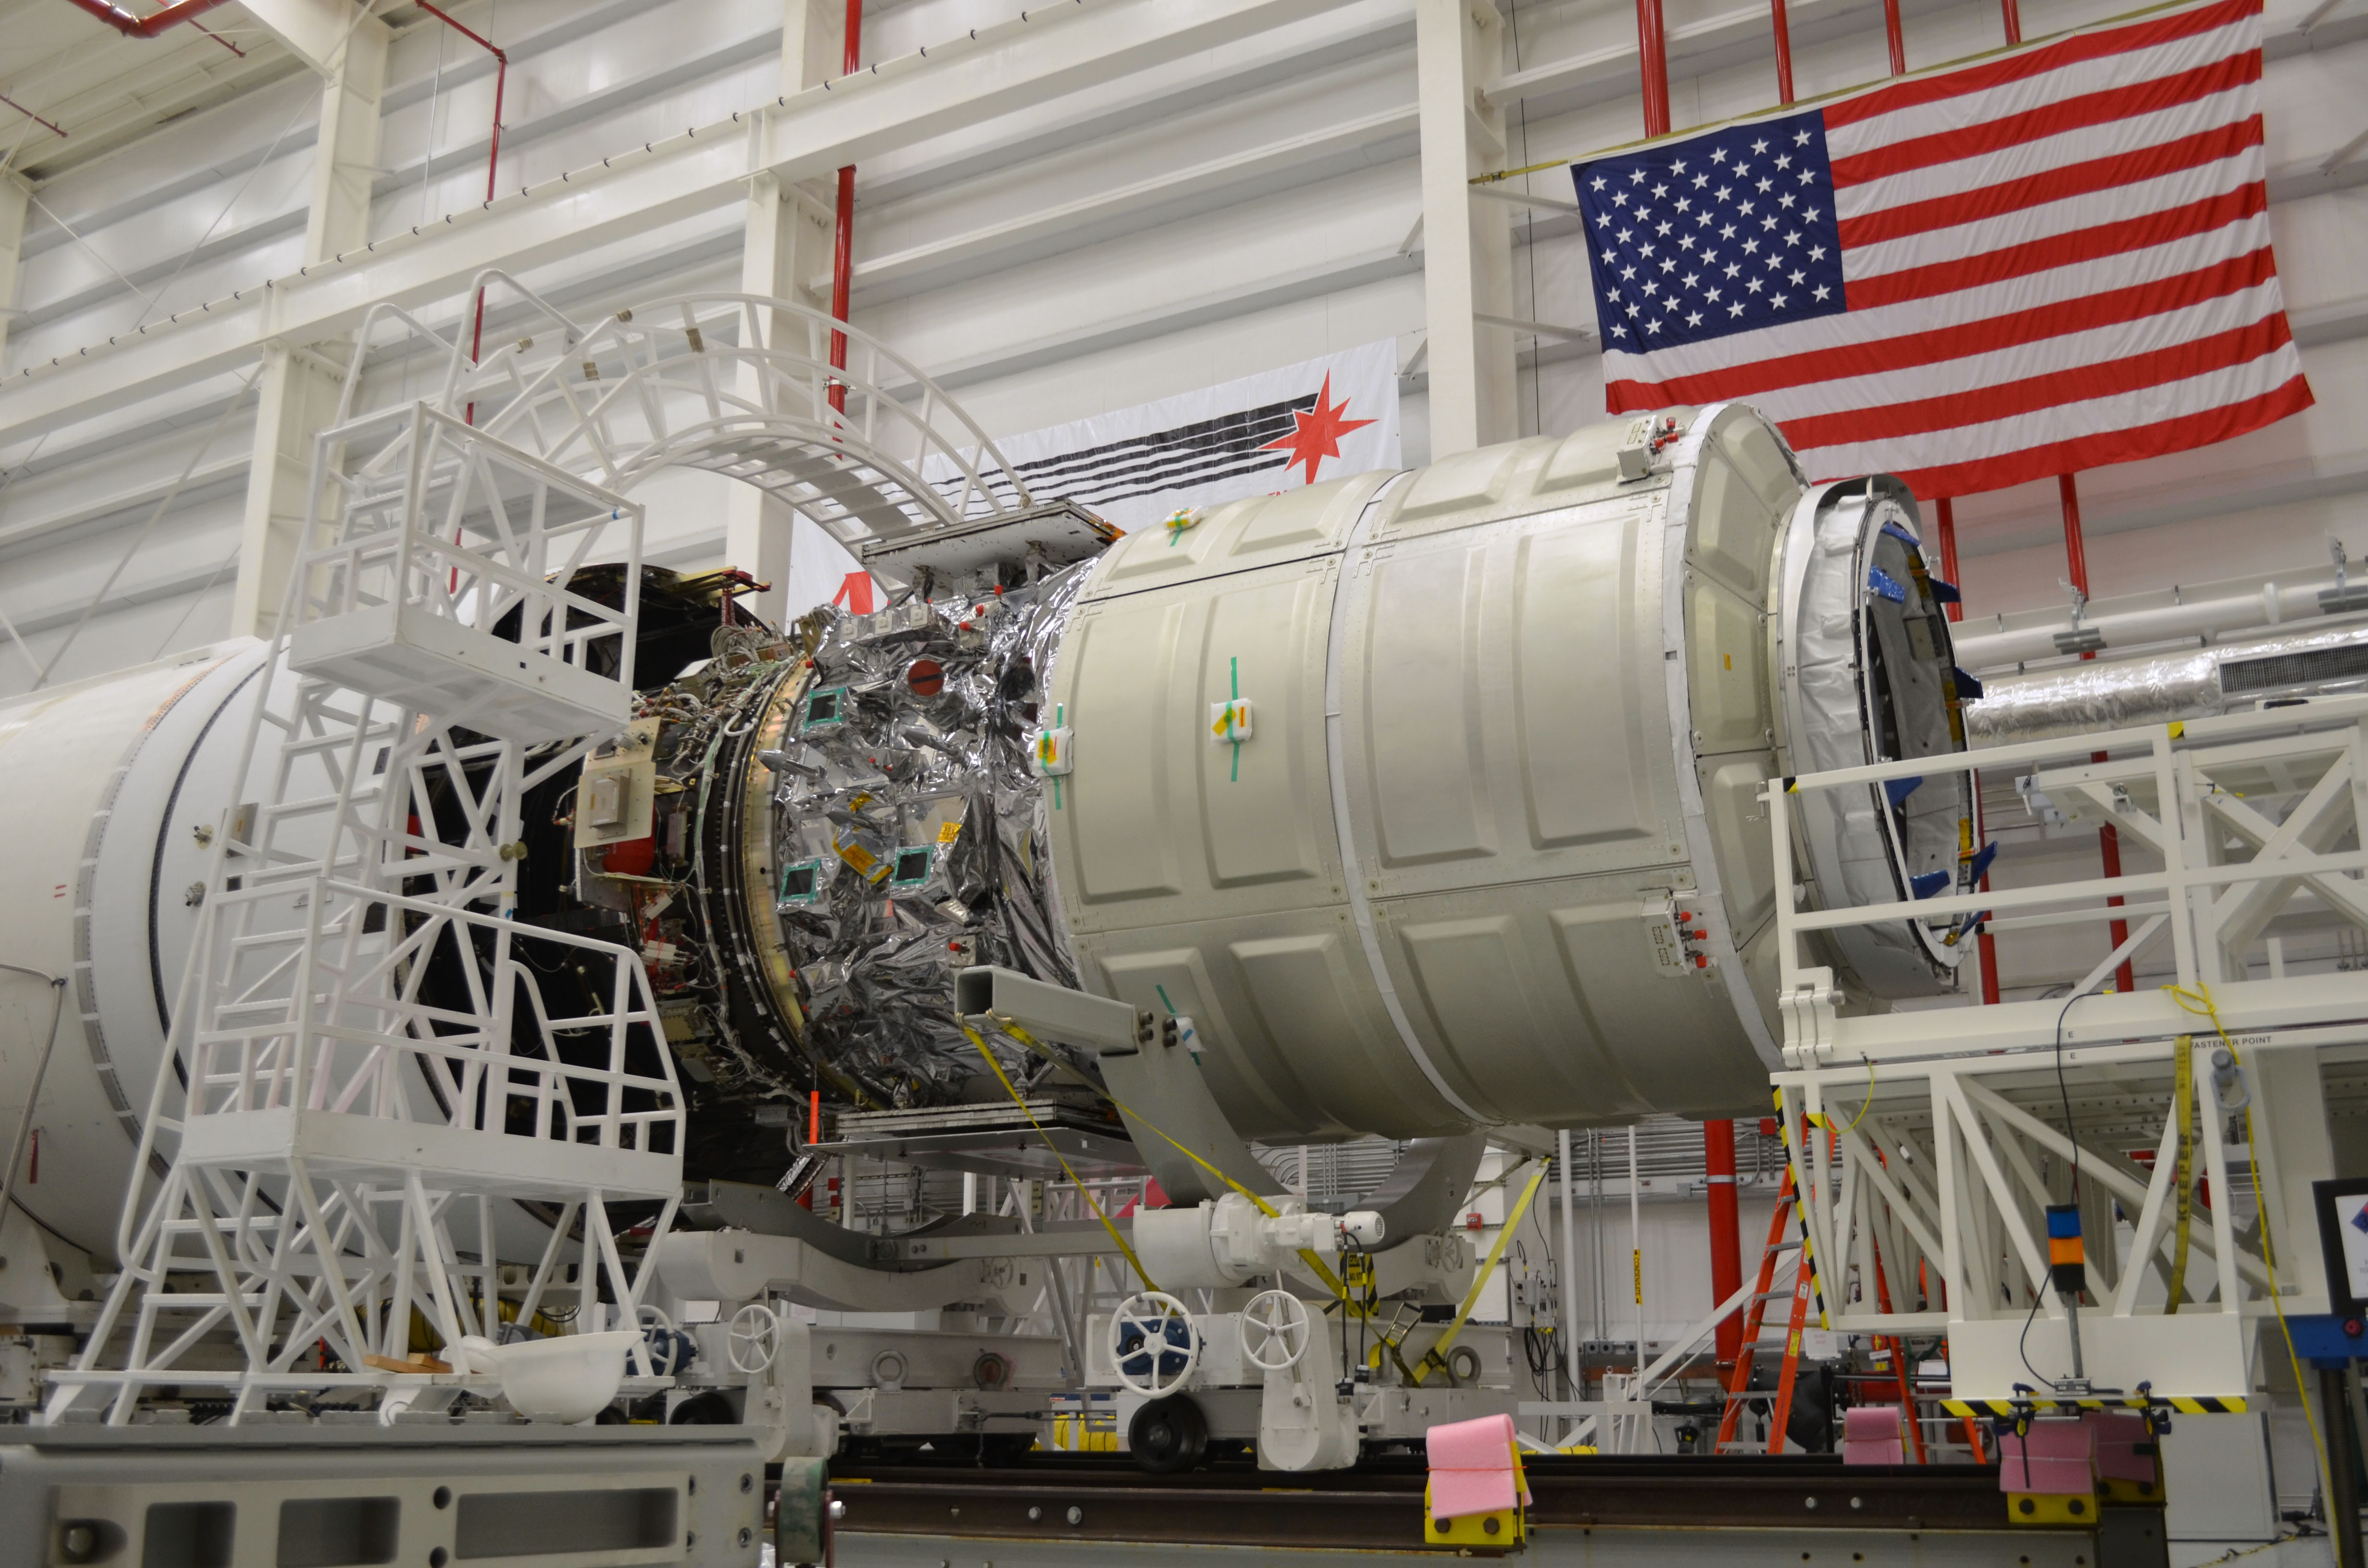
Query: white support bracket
[(1809, 1009)]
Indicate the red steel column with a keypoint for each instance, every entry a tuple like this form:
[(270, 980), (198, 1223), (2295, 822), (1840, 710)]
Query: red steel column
[(2108, 841), (1783, 53), (1653, 52), (2013, 14), (842, 239), (1897, 40), (1725, 1231)]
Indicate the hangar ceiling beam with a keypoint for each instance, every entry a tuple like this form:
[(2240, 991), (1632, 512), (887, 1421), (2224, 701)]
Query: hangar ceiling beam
[(315, 31), (1053, 51), (297, 394), (15, 196), (1468, 274), (788, 237)]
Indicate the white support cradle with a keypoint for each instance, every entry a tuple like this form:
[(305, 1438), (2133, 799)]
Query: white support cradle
[(1936, 1138)]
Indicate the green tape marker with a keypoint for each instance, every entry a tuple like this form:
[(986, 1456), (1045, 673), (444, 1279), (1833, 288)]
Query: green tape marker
[(1236, 664)]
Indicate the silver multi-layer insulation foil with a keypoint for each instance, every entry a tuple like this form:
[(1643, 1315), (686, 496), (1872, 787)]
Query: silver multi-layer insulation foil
[(910, 834), (2194, 683)]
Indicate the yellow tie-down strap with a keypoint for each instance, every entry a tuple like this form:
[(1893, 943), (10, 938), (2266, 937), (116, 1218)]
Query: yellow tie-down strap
[(1140, 1272), (2011, 1409), (1436, 1356), (1331, 1281)]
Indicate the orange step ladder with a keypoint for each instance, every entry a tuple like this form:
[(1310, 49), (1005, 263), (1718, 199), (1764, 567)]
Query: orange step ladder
[(1755, 1317)]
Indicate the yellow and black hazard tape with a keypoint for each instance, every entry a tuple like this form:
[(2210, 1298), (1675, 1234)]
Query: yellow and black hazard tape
[(2017, 1409), (1801, 1211)]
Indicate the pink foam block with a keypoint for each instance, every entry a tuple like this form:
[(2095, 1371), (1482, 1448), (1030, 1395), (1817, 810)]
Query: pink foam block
[(1471, 1467), (2056, 1456), (1871, 1435), (2119, 1432)]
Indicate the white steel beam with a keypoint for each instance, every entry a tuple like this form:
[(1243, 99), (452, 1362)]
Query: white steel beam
[(345, 152), (315, 31), (173, 584), (2292, 1150), (1239, 177), (1228, 303), (1046, 53), (297, 394), (787, 233), (1615, 64), (14, 197), (85, 508), (1468, 244)]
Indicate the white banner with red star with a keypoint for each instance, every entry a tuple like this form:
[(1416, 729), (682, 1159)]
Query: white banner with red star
[(1319, 420)]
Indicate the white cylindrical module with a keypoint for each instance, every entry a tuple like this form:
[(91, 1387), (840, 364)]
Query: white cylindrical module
[(1487, 845), (116, 786), (1433, 798)]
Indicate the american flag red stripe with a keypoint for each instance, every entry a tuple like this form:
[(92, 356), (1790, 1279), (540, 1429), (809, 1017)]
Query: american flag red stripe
[(2056, 185), (2051, 259), (2110, 308), (2049, 120), (2093, 44), (2212, 216)]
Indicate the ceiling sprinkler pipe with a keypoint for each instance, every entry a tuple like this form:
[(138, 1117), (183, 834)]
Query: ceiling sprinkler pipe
[(492, 158), (842, 237), (1653, 65), (131, 26)]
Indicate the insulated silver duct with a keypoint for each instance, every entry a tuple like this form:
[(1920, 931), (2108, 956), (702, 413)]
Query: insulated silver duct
[(2194, 683)]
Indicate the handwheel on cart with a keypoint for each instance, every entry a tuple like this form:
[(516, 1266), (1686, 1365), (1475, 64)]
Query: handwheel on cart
[(1154, 1345), (1276, 1330)]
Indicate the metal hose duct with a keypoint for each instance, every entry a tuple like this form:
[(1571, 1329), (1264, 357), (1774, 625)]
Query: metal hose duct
[(2194, 683)]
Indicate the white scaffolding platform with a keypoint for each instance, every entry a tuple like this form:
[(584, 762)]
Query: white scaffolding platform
[(345, 1110)]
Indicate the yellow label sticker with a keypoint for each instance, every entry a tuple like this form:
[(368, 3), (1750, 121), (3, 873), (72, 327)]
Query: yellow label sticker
[(949, 832), (857, 855), (1636, 1262)]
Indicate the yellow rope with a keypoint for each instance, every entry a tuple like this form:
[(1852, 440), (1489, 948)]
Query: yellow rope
[(2182, 1169), (1331, 1281), (1000, 1077), (1864, 1104), (1514, 174), (2188, 1002), (1437, 1355)]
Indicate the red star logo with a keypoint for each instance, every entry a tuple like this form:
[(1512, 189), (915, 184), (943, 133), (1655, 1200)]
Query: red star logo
[(1318, 434)]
